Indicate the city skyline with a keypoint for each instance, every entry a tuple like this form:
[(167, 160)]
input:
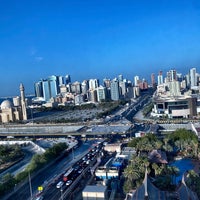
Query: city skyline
[(95, 39)]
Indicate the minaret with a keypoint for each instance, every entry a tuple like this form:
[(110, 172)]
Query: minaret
[(23, 103)]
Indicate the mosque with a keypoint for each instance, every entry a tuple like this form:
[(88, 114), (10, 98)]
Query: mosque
[(11, 112)]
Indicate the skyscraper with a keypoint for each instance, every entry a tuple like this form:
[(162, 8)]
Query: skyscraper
[(171, 76), (85, 86), (136, 80), (114, 90), (38, 89), (67, 79), (53, 85), (193, 77), (106, 82), (120, 77), (123, 88), (101, 93), (160, 78), (76, 87), (46, 90), (153, 82), (93, 84), (61, 80)]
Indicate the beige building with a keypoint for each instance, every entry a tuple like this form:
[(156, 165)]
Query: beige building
[(9, 112), (113, 147), (94, 192)]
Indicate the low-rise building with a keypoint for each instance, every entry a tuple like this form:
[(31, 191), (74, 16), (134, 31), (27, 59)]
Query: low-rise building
[(95, 192), (113, 147)]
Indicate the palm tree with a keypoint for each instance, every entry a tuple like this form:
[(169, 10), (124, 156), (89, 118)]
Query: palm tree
[(155, 167), (131, 174)]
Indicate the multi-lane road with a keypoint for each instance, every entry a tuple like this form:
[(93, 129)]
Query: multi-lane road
[(49, 175)]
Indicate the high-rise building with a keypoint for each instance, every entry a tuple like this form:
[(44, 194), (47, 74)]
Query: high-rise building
[(60, 80), (153, 82), (106, 82), (123, 88), (67, 79), (53, 85), (120, 78), (179, 77), (63, 89), (114, 90), (174, 88), (76, 87), (193, 77), (93, 84), (136, 80), (101, 93), (92, 95), (143, 85), (171, 76), (85, 86), (160, 78), (46, 90), (38, 89)]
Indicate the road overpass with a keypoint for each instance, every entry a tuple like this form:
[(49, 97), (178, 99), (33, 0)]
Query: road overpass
[(37, 130)]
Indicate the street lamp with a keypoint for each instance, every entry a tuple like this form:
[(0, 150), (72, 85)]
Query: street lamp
[(31, 192)]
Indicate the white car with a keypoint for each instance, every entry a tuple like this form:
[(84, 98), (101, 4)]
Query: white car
[(60, 184), (68, 182), (40, 198)]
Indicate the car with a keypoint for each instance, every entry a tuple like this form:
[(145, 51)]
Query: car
[(60, 184), (80, 170), (68, 182), (40, 198)]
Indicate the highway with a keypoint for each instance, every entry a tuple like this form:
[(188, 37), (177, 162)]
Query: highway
[(51, 173)]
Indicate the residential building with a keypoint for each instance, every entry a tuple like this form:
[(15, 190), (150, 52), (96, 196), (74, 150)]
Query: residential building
[(93, 84), (193, 78), (67, 79), (101, 93), (160, 78), (136, 80), (114, 90)]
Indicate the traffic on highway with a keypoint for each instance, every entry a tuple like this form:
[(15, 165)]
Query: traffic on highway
[(60, 187)]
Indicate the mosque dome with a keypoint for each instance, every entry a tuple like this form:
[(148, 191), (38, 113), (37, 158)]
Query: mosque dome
[(6, 104)]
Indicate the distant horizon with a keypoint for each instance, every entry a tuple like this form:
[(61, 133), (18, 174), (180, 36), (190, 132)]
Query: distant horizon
[(95, 39)]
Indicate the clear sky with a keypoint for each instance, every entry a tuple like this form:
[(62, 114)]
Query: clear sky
[(95, 39)]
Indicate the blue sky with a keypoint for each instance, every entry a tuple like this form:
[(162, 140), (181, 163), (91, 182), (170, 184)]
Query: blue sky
[(95, 39)]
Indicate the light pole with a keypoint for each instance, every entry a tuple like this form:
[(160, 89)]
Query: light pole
[(29, 177)]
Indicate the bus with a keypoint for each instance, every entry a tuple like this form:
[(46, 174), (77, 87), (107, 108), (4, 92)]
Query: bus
[(67, 174)]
